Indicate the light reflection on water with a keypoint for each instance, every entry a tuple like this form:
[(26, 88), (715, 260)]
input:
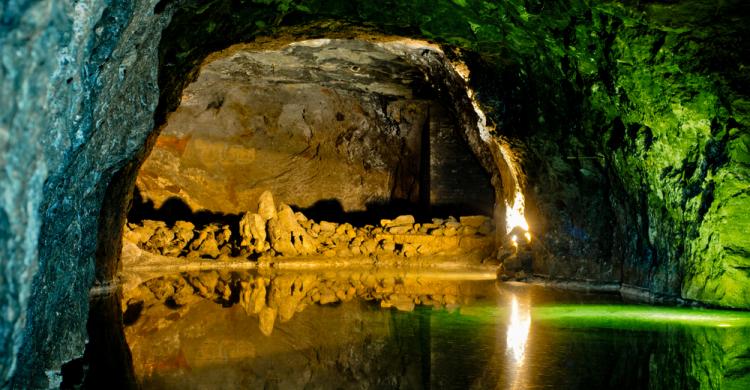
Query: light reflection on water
[(517, 334), (518, 330), (482, 337)]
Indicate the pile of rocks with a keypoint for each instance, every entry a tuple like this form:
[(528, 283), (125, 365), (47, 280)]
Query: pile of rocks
[(279, 231), (182, 239), (273, 297)]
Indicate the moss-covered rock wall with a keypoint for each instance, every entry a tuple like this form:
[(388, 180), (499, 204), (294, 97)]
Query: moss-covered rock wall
[(631, 119)]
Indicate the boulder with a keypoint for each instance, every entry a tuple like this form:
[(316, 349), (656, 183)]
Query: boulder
[(266, 207), (369, 246), (287, 236), (160, 239), (205, 244), (399, 229), (253, 232), (401, 220), (184, 231), (450, 231), (327, 226)]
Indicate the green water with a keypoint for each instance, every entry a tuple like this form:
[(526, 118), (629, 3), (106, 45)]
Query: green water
[(592, 346), (494, 337)]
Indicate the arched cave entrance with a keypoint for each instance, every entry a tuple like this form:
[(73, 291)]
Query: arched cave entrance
[(343, 130), (350, 140), (349, 131)]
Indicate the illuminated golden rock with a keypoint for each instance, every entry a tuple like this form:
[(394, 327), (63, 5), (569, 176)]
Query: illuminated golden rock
[(205, 244), (266, 207), (327, 227), (253, 232), (287, 236), (185, 231), (401, 220)]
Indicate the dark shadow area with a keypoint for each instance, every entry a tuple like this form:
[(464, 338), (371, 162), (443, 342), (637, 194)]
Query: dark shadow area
[(175, 209), (331, 210), (107, 362)]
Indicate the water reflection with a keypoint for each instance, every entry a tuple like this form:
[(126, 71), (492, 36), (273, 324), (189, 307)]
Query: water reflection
[(518, 331), (401, 330)]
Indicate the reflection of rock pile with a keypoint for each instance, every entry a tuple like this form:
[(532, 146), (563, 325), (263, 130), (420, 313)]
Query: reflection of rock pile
[(280, 296), (280, 231)]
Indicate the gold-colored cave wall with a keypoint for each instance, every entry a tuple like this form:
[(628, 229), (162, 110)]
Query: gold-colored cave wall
[(308, 131), (303, 145)]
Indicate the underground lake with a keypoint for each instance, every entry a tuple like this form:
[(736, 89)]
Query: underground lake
[(414, 328), (374, 194)]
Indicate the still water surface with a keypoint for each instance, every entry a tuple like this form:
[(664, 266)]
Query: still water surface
[(459, 335)]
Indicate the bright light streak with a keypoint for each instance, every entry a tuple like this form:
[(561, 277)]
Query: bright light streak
[(514, 214), (514, 209), (518, 331)]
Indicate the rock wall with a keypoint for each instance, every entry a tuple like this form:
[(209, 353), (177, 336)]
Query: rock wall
[(345, 120), (79, 90), (314, 121)]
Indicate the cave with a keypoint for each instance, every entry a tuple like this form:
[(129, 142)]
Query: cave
[(403, 194), (342, 129)]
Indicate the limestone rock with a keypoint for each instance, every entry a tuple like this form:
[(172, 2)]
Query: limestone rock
[(369, 246), (160, 239), (205, 244), (224, 235), (450, 231), (253, 232), (409, 250), (327, 226), (401, 220), (266, 207), (287, 236), (140, 234), (388, 246), (399, 229)]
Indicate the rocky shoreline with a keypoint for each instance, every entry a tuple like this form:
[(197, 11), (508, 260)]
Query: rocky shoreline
[(279, 231)]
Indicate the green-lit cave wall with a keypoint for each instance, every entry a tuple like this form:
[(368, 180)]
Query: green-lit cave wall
[(630, 118)]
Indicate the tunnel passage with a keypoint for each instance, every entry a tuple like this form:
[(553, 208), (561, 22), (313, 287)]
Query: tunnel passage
[(323, 154), (341, 129), (334, 147)]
